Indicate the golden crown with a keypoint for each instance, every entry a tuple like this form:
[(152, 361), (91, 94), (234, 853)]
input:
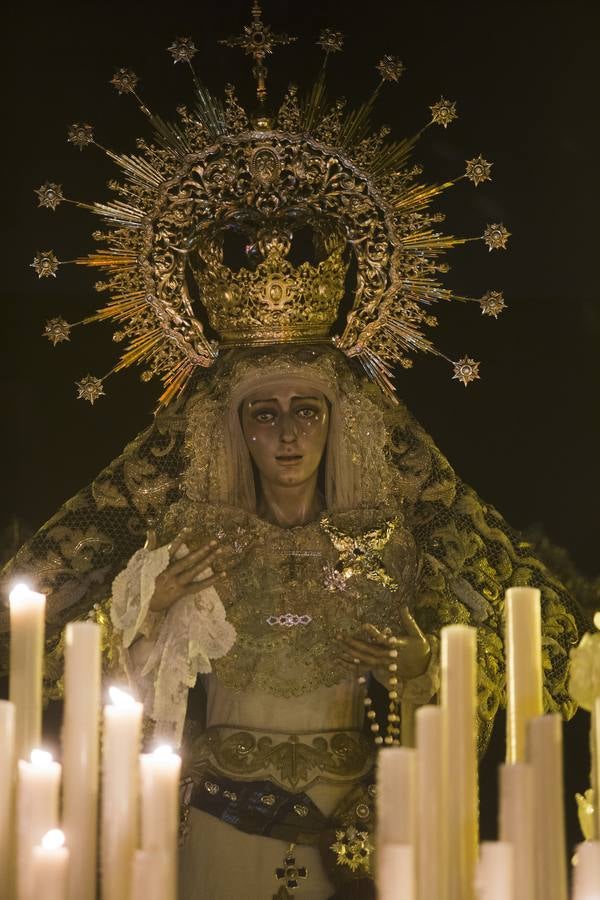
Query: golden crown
[(276, 302), (219, 171)]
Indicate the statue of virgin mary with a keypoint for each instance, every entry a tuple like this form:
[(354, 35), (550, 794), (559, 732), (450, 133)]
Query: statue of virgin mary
[(273, 559)]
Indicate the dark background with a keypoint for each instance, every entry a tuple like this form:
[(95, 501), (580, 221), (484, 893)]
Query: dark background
[(525, 77)]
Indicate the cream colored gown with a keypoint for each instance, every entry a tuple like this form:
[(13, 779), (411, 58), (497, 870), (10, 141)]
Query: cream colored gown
[(219, 862)]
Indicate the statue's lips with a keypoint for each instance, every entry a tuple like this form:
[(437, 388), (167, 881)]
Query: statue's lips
[(289, 459)]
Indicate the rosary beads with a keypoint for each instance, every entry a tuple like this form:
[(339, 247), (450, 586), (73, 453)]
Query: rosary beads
[(392, 731)]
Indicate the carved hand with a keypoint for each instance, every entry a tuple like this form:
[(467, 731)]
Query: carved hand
[(178, 579), (374, 650)]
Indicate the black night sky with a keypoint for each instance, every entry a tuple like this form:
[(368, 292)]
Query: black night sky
[(525, 78)]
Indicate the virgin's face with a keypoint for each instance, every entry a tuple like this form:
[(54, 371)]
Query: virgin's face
[(286, 428)]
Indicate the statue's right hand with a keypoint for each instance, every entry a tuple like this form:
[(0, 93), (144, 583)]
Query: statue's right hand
[(178, 579)]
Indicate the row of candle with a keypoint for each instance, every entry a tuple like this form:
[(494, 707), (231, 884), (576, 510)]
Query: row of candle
[(428, 845), (139, 791), (428, 797)]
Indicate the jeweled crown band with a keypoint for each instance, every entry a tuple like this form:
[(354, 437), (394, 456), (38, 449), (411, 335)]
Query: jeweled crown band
[(292, 335)]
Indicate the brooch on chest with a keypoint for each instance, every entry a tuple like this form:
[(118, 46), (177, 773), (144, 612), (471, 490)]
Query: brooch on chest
[(359, 554)]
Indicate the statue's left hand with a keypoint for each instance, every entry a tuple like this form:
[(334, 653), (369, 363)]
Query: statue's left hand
[(374, 650)]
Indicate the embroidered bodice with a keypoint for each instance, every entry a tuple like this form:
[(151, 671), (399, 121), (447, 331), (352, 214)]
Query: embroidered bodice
[(292, 590)]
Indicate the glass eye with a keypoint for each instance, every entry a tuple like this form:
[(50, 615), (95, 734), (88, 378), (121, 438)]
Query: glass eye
[(264, 416)]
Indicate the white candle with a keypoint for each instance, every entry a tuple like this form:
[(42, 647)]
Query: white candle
[(495, 879), (517, 824), (160, 773), (37, 812), (595, 759), (431, 787), (586, 871), (459, 701), (396, 797), (50, 867), (396, 872), (7, 774), (523, 648), (149, 875), (544, 751), (80, 755), (27, 609), (119, 829)]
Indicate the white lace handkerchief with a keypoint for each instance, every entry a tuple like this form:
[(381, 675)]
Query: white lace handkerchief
[(185, 639)]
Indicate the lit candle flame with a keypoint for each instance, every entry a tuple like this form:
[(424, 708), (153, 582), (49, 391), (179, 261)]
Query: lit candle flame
[(163, 750), (22, 593), (53, 839), (41, 758), (121, 698)]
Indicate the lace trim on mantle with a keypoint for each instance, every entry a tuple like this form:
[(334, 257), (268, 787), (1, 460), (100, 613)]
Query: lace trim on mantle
[(178, 645)]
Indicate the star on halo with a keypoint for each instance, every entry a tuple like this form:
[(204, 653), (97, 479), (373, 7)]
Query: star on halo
[(45, 264), (466, 370), (390, 68), (125, 81), (492, 303), (182, 50), (478, 170), (443, 112), (496, 236), (57, 330), (89, 388), (49, 195), (331, 41), (80, 134)]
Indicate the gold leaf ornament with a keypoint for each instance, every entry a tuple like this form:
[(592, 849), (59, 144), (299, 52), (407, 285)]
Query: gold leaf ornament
[(584, 673)]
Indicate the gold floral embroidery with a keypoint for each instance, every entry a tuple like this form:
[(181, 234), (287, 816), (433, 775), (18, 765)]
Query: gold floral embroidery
[(290, 760)]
